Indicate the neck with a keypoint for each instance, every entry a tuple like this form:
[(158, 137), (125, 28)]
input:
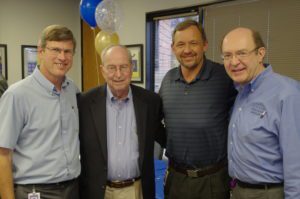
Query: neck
[(120, 95), (259, 70), (57, 81), (189, 74)]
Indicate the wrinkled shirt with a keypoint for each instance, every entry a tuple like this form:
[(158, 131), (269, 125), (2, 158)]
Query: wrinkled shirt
[(40, 125), (122, 139), (264, 133)]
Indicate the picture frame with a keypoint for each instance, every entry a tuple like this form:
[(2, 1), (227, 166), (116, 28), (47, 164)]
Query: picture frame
[(137, 62), (29, 59), (3, 60)]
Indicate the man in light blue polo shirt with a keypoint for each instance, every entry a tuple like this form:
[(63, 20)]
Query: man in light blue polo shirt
[(39, 144)]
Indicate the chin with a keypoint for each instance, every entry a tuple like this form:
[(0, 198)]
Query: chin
[(190, 65), (239, 80)]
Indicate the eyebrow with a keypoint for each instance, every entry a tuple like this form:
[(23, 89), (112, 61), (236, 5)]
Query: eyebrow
[(236, 50)]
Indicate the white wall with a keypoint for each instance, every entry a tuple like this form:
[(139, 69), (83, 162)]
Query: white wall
[(21, 23), (134, 17)]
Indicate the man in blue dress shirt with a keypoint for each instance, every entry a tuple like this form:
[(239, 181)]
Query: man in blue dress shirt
[(39, 144), (264, 130)]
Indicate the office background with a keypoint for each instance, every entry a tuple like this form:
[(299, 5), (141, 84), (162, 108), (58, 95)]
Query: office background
[(22, 21)]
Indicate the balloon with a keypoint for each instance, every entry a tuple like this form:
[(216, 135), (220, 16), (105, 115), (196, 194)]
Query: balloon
[(105, 39), (108, 16), (87, 11)]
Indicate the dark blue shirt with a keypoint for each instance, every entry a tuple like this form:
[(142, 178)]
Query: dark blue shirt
[(196, 115)]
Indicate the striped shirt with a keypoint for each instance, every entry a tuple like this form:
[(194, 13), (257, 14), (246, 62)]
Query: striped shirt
[(196, 115)]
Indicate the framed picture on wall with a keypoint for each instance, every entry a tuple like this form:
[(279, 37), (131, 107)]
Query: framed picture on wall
[(137, 61), (29, 59), (3, 60)]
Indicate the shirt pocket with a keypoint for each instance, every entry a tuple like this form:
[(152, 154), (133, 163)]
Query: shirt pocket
[(254, 122)]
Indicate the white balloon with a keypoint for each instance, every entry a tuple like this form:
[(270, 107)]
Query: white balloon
[(108, 16)]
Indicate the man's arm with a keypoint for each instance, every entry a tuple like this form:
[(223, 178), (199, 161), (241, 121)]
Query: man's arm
[(289, 139), (160, 133), (6, 179)]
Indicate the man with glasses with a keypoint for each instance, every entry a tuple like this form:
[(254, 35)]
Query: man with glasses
[(197, 98), (118, 125), (264, 130), (39, 143)]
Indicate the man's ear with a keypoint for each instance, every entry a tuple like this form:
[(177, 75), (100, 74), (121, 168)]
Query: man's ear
[(101, 67), (39, 49), (172, 47), (205, 46), (261, 52)]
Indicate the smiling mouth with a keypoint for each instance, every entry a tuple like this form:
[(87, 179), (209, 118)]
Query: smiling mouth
[(189, 58), (118, 81), (60, 64), (238, 71)]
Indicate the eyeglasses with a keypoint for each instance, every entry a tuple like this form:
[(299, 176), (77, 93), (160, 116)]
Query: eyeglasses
[(241, 54), (57, 51), (123, 68)]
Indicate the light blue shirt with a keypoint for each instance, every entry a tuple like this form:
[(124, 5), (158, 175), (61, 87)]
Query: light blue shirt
[(264, 133), (122, 139), (40, 125)]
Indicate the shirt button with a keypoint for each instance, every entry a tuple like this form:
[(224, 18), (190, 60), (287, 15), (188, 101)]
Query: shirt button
[(231, 143), (240, 109), (233, 125), (120, 127)]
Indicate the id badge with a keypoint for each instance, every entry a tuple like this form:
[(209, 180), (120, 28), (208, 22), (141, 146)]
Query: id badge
[(34, 196)]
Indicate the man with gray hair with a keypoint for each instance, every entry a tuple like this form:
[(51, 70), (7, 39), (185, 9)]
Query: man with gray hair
[(118, 125), (39, 145)]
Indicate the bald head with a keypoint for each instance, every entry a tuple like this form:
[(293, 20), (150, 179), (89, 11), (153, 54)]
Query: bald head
[(244, 36), (115, 47)]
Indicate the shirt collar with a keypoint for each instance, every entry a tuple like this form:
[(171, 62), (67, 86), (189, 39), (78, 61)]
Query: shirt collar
[(203, 74), (112, 99), (44, 82), (255, 82)]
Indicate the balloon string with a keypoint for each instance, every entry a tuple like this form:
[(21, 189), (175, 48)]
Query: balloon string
[(97, 61)]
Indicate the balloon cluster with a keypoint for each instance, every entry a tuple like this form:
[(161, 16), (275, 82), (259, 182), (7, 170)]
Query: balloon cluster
[(105, 14)]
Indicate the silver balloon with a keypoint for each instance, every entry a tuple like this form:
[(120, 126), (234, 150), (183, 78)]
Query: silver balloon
[(108, 16)]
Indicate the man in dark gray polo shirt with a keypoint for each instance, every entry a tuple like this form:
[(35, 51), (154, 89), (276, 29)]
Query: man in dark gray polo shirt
[(197, 97)]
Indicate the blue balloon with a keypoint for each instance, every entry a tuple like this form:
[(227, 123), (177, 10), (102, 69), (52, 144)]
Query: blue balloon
[(87, 11)]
